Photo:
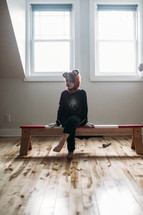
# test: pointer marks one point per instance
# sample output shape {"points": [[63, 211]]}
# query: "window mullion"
{"points": [[52, 40]]}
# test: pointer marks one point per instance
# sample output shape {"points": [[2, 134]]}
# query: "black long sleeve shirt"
{"points": [[72, 104]]}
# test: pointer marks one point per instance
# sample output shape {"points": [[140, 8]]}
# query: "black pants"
{"points": [[70, 125]]}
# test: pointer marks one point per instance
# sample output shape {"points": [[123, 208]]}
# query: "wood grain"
{"points": [[98, 181]]}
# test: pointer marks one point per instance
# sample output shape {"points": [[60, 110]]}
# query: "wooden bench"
{"points": [[105, 130]]}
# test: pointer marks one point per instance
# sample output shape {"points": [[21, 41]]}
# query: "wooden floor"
{"points": [[99, 181]]}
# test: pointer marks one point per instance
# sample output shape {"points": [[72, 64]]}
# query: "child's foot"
{"points": [[70, 156], [58, 148]]}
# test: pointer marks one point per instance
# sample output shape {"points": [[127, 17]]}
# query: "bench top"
{"points": [[47, 126], [88, 126]]}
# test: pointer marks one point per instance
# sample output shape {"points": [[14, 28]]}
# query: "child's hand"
{"points": [[89, 125], [52, 125]]}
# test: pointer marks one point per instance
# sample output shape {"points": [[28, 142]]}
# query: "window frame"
{"points": [[94, 74], [75, 56]]}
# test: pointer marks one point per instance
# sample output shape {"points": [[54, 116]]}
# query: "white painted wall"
{"points": [[17, 14], [37, 102], [10, 62]]}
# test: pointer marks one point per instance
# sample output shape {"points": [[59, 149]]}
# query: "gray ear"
{"points": [[65, 74], [75, 72]]}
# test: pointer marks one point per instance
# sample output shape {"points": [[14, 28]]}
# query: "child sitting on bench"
{"points": [[72, 111]]}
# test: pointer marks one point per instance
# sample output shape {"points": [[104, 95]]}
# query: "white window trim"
{"points": [[93, 65], [76, 39]]}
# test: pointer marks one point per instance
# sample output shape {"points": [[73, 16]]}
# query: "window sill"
{"points": [[116, 78], [43, 78]]}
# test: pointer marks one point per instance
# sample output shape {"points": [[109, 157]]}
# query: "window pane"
{"points": [[52, 56], [117, 57], [116, 25], [52, 25]]}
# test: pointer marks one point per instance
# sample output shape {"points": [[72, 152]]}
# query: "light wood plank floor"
{"points": [[99, 181]]}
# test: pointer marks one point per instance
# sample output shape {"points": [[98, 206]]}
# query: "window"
{"points": [[116, 41], [51, 39]]}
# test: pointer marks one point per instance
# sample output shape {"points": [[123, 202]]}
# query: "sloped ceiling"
{"points": [[10, 59]]}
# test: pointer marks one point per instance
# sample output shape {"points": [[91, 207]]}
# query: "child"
{"points": [[72, 111]]}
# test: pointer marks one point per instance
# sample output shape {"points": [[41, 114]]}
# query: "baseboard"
{"points": [[10, 132]]}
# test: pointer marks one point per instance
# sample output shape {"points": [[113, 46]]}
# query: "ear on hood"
{"points": [[75, 72]]}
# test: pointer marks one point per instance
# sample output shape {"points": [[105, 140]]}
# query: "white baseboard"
{"points": [[10, 132]]}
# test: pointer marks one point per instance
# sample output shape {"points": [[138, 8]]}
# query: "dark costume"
{"points": [[72, 112]]}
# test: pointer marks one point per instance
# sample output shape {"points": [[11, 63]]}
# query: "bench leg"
{"points": [[25, 142], [30, 144], [137, 140], [133, 143]]}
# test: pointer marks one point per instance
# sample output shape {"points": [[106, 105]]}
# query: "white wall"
{"points": [[37, 102], [10, 62], [17, 13]]}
